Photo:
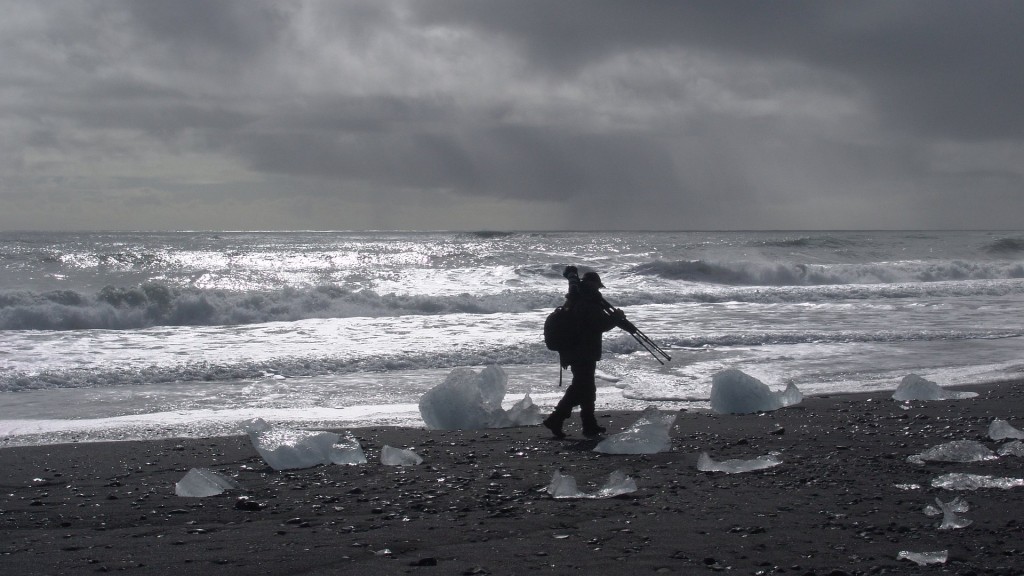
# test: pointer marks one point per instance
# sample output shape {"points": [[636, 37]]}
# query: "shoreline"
{"points": [[147, 428], [478, 505]]}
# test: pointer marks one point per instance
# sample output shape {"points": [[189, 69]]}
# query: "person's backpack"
{"points": [[561, 330]]}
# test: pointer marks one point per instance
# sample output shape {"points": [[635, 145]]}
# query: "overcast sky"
{"points": [[519, 114]]}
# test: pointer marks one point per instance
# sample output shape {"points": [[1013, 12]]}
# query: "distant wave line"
{"points": [[159, 305], [799, 274], [153, 305]]}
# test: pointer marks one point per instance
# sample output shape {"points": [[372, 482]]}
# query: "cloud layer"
{"points": [[468, 114]]}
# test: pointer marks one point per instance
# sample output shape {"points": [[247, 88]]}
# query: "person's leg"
{"points": [[563, 410], [583, 377]]}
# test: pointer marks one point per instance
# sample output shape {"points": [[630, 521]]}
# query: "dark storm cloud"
{"points": [[342, 114], [115, 69], [231, 30], [942, 67], [158, 112], [716, 114], [515, 161]]}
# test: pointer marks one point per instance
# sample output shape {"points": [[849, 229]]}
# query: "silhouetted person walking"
{"points": [[592, 320]]}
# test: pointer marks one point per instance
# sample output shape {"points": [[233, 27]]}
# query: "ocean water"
{"points": [[145, 335]]}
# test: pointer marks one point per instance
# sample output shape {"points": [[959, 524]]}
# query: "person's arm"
{"points": [[605, 321], [618, 318]]}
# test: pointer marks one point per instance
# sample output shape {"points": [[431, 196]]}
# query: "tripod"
{"points": [[637, 334]]}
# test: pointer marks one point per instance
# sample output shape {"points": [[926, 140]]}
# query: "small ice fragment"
{"points": [[924, 558], [734, 392], [255, 425], [1015, 448], [964, 481], [563, 486], [618, 484], [1001, 430], [955, 451], [347, 450], [203, 482], [287, 449], [649, 434], [606, 376], [914, 387], [522, 413], [949, 510], [735, 466], [907, 486], [391, 456]]}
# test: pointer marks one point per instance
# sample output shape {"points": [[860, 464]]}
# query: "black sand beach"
{"points": [[478, 505]]}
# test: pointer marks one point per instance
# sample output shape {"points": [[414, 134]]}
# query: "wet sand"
{"points": [[838, 504]]}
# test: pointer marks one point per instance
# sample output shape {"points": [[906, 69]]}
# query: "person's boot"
{"points": [[554, 424], [590, 426]]}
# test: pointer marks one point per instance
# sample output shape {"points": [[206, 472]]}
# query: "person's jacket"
{"points": [[593, 321]]}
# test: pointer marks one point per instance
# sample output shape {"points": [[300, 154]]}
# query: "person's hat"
{"points": [[593, 278]]}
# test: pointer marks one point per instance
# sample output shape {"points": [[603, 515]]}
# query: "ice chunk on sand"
{"points": [[287, 449], [734, 392], [468, 400], [618, 484], [648, 435], [914, 387], [949, 511], [1015, 448], [958, 504], [522, 413], [347, 450], [964, 481], [465, 400], [203, 482], [924, 558], [706, 464], [255, 425], [391, 456], [1001, 430], [564, 486], [955, 451]]}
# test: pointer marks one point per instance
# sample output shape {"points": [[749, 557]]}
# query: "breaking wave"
{"points": [[1005, 246], [826, 241], [152, 305], [778, 274], [159, 305], [491, 234]]}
